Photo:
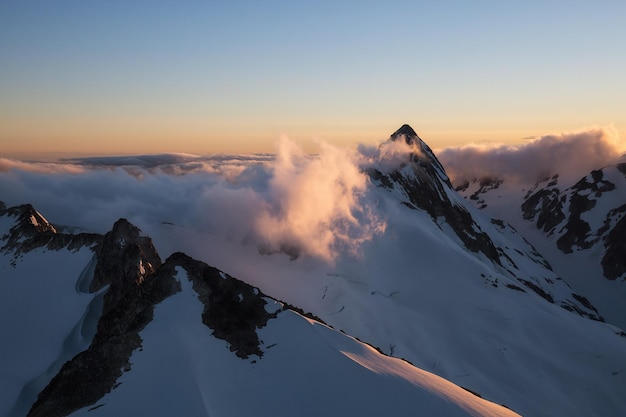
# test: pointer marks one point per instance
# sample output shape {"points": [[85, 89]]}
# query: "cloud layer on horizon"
{"points": [[289, 202], [567, 154], [312, 205]]}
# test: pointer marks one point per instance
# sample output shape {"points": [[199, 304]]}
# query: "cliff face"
{"points": [[31, 230], [136, 280], [590, 212]]}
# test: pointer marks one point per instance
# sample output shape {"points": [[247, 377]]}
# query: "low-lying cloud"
{"points": [[299, 204], [7, 165], [566, 154], [316, 206]]}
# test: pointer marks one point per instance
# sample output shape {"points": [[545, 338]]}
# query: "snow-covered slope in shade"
{"points": [[577, 223], [306, 369], [444, 286], [45, 318], [119, 333], [450, 290]]}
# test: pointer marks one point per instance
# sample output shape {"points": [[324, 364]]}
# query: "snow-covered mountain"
{"points": [[130, 335], [453, 292], [579, 224]]}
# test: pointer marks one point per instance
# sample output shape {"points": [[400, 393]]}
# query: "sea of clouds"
{"points": [[290, 202], [319, 206]]}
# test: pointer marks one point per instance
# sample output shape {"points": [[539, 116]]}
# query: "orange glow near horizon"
{"points": [[96, 79], [54, 140]]}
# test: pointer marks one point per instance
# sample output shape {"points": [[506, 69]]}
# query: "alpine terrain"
{"points": [[578, 222], [440, 309]]}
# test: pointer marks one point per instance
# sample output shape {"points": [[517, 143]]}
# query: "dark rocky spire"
{"points": [[408, 133]]}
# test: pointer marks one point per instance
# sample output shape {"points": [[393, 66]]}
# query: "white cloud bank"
{"points": [[293, 203], [302, 205], [566, 154]]}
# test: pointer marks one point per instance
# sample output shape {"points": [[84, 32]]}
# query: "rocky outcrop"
{"points": [[124, 256], [614, 258], [584, 194], [425, 185], [32, 231], [233, 309], [137, 281], [544, 208], [125, 263], [562, 213]]}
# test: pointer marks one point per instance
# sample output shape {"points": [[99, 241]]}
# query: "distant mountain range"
{"points": [[462, 304]]}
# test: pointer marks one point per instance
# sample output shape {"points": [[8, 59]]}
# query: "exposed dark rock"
{"points": [[124, 255], [26, 215], [545, 208], [485, 184], [472, 392], [614, 258], [537, 289], [32, 231], [408, 133], [426, 156], [592, 314], [426, 186], [577, 232], [233, 309], [584, 308], [128, 308], [553, 181], [128, 263], [498, 223], [515, 287], [303, 313], [584, 301], [378, 176]]}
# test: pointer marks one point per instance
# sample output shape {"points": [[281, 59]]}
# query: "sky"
{"points": [[201, 77]]}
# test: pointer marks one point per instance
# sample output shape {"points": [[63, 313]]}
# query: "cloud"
{"points": [[7, 165], [316, 203], [389, 155], [290, 202], [566, 154], [175, 163]]}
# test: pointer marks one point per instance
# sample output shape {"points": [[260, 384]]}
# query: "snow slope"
{"points": [[418, 296], [181, 366], [307, 369], [576, 223], [419, 293], [45, 317], [442, 285]]}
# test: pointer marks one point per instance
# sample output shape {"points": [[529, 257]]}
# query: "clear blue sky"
{"points": [[208, 76]]}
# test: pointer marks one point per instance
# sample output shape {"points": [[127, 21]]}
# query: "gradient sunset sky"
{"points": [[115, 77]]}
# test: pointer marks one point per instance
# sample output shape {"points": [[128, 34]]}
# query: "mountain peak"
{"points": [[407, 131], [135, 255], [421, 154]]}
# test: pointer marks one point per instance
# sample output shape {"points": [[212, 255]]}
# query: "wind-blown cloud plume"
{"points": [[566, 154], [315, 203]]}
